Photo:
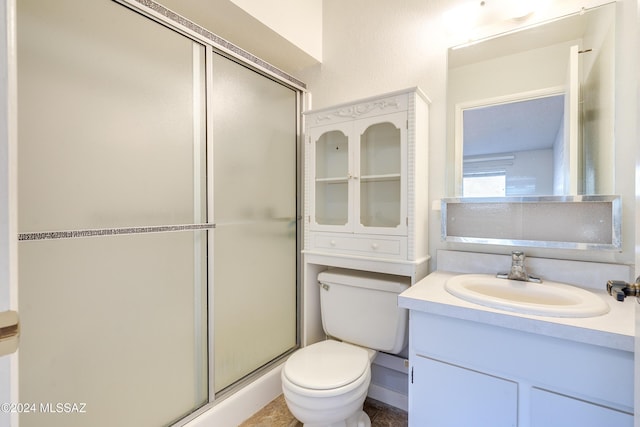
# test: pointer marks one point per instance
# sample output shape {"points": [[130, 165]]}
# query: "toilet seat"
{"points": [[327, 365]]}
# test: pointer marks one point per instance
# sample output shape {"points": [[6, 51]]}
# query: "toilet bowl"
{"points": [[325, 384]]}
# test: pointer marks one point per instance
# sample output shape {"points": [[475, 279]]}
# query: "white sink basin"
{"points": [[544, 299]]}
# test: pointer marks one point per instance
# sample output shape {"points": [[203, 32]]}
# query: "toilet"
{"points": [[325, 384]]}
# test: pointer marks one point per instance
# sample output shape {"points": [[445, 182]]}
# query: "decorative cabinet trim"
{"points": [[361, 110], [376, 105]]}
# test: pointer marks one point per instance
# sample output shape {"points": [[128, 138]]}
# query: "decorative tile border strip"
{"points": [[219, 41], [100, 232]]}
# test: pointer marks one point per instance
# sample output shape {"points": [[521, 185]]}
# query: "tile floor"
{"points": [[276, 414]]}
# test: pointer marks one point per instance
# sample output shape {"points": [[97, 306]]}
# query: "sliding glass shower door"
{"points": [[254, 251], [157, 198], [112, 201]]}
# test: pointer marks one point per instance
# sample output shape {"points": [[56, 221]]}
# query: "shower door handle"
{"points": [[9, 332]]}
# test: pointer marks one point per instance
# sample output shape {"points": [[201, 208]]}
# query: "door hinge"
{"points": [[9, 331]]}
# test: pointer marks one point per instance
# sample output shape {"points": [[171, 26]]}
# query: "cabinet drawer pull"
{"points": [[374, 246], [332, 243]]}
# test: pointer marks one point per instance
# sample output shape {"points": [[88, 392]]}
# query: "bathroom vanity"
{"points": [[475, 365]]}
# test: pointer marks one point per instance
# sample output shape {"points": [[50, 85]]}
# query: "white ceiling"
{"points": [[518, 126]]}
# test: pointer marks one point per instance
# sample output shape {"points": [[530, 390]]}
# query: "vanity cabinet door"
{"points": [[446, 395], [549, 409]]}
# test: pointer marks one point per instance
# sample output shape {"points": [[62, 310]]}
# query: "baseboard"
{"points": [[235, 409], [389, 378], [390, 397]]}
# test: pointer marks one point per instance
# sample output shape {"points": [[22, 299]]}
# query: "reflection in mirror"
{"points": [[521, 140], [531, 112]]}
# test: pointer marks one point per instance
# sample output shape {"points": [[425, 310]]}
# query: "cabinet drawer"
{"points": [[388, 247]]}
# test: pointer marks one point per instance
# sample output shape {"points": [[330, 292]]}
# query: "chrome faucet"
{"points": [[518, 269]]}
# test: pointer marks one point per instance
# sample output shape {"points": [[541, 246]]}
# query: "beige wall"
{"points": [[375, 47], [301, 24]]}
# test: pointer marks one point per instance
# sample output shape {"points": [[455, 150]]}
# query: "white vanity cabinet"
{"points": [[465, 373], [366, 178]]}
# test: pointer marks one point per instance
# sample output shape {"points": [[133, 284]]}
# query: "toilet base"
{"points": [[359, 419]]}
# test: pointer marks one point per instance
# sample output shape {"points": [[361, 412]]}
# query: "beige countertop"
{"points": [[615, 329]]}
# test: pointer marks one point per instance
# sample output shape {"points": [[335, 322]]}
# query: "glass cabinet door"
{"points": [[382, 155], [332, 176]]}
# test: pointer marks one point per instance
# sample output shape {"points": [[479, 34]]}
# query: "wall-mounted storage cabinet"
{"points": [[366, 178]]}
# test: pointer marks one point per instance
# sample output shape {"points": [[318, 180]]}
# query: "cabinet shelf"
{"points": [[365, 178], [377, 178], [333, 180]]}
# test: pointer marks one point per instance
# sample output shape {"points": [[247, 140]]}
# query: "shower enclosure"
{"points": [[157, 206]]}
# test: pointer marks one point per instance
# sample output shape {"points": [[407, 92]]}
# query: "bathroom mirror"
{"points": [[531, 112]]}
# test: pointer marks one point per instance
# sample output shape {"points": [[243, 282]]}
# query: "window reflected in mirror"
{"points": [[515, 148], [484, 184]]}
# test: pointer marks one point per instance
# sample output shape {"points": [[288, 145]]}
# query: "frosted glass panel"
{"points": [[111, 134], [254, 297], [525, 221], [111, 322], [254, 138], [110, 129]]}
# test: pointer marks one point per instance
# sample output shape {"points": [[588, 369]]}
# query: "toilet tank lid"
{"points": [[365, 279]]}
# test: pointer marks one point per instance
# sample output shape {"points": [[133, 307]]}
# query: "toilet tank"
{"points": [[361, 308]]}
